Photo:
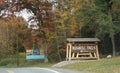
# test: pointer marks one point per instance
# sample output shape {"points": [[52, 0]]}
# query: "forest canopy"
{"points": [[58, 20]]}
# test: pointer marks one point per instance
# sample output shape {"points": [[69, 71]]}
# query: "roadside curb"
{"points": [[64, 63]]}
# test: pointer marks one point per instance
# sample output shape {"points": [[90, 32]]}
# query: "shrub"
{"points": [[22, 54], [7, 61]]}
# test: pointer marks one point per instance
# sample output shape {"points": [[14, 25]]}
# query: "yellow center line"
{"points": [[9, 71]]}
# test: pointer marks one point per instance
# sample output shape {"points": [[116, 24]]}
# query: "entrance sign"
{"points": [[82, 48], [34, 54]]}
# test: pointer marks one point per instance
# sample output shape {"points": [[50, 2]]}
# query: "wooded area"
{"points": [[58, 20]]}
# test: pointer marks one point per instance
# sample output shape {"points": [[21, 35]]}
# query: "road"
{"points": [[36, 70]]}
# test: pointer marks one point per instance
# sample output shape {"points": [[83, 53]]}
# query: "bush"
{"points": [[7, 61], [22, 54]]}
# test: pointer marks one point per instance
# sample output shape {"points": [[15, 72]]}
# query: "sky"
{"points": [[26, 15]]}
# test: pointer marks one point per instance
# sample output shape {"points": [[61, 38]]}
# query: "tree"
{"points": [[42, 11], [103, 17], [66, 24], [11, 29]]}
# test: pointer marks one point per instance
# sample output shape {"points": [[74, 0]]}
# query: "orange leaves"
{"points": [[33, 1], [28, 43], [14, 26], [41, 15], [19, 31], [29, 1], [2, 2], [46, 8]]}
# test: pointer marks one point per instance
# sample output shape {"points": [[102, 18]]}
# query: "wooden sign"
{"points": [[86, 48], [82, 48]]}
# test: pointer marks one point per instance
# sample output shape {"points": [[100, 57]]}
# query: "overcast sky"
{"points": [[26, 15]]}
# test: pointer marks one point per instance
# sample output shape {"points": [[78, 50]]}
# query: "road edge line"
{"points": [[54, 71], [9, 71]]}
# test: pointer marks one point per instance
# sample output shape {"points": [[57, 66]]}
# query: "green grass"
{"points": [[29, 64], [11, 63], [101, 66]]}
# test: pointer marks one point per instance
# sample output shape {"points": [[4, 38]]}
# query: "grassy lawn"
{"points": [[11, 63], [101, 66], [29, 64]]}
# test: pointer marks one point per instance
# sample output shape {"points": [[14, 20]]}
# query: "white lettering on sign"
{"points": [[83, 47]]}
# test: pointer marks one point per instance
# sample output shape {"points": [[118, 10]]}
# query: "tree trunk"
{"points": [[17, 51], [59, 52], [45, 51], [113, 44], [111, 27]]}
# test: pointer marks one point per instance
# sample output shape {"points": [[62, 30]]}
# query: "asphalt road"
{"points": [[36, 70]]}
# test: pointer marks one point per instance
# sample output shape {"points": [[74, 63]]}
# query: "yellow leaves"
{"points": [[81, 24], [61, 16], [67, 18], [64, 15], [87, 1], [115, 6], [61, 27], [73, 25], [50, 36], [77, 4]]}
